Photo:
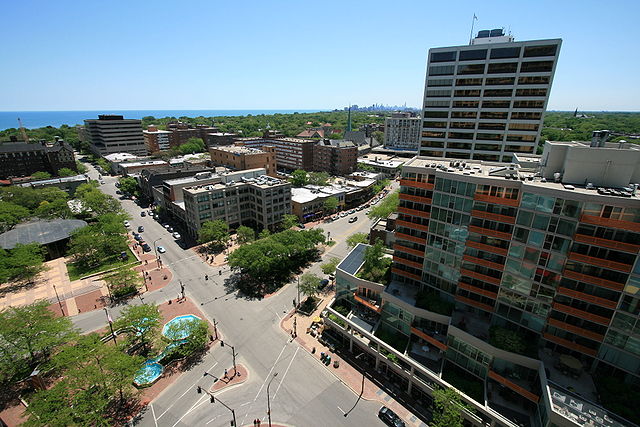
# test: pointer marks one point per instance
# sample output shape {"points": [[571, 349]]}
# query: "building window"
{"points": [[439, 82], [507, 67], [468, 82], [544, 50], [471, 55], [505, 52], [536, 66], [441, 70], [443, 56], [471, 69]]}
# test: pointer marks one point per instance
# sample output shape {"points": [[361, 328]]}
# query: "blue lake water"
{"points": [[37, 119]]}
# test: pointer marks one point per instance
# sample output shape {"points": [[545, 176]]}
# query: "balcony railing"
{"points": [[480, 276], [600, 262], [581, 314], [405, 249], [428, 338], [418, 199], [493, 216], [474, 303], [407, 262], [576, 330], [588, 298], [416, 184], [496, 200], [613, 223], [471, 288], [513, 386], [569, 344], [413, 225], [489, 232], [414, 212], [487, 248], [367, 303], [594, 280], [483, 262], [411, 238], [405, 273], [606, 243]]}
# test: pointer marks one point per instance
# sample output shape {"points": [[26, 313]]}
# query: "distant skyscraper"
{"points": [[487, 100]]}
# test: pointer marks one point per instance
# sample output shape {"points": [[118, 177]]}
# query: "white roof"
{"points": [[119, 157]]}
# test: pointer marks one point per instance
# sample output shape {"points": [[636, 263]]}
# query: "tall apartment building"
{"points": [[291, 153], [335, 157], [487, 100], [114, 134], [242, 158], [242, 198], [156, 139], [402, 132], [521, 279]]}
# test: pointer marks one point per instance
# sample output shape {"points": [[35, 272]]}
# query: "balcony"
{"points": [[476, 290], [417, 199], [406, 274], [581, 314], [493, 216], [588, 298], [402, 236], [489, 232], [613, 223], [416, 184], [433, 338], [414, 212], [605, 263], [496, 200], [369, 303], [576, 330], [480, 276], [513, 386], [569, 344], [594, 280], [413, 264], [400, 248], [475, 324], [483, 262], [487, 248], [412, 225], [605, 243]]}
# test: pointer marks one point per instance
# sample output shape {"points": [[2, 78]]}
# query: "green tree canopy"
{"points": [[264, 234], [330, 266], [318, 178], [245, 234], [11, 214], [331, 204], [63, 172], [385, 208], [41, 175], [82, 169], [30, 198], [123, 281], [376, 265], [99, 242], [379, 186], [129, 185], [356, 238], [299, 178], [447, 408], [215, 232], [21, 264], [289, 221], [51, 210], [192, 146], [141, 323], [198, 336], [309, 283], [365, 167], [95, 200]]}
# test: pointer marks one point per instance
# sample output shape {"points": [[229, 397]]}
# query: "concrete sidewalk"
{"points": [[346, 373]]}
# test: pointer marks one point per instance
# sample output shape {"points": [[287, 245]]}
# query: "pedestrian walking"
{"points": [[226, 374]]}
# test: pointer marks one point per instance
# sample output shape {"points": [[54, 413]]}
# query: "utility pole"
{"points": [[298, 294], [268, 401], [295, 333], [215, 328], [58, 298], [233, 353], [110, 324], [361, 389], [213, 400]]}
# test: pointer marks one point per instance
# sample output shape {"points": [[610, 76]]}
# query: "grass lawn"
{"points": [[115, 261]]}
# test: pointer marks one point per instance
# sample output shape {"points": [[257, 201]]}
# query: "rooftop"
{"points": [[381, 160], [262, 181], [238, 149], [39, 231], [120, 157], [144, 163], [157, 131], [55, 180]]}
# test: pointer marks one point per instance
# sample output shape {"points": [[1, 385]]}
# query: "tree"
{"points": [[140, 322], [11, 214], [196, 340], [380, 185], [216, 232], [388, 206], [289, 221], [379, 136], [82, 169], [95, 200], [40, 175], [128, 185], [245, 234], [51, 210], [264, 234], [447, 408], [318, 178], [331, 204], [123, 281], [192, 146], [309, 283], [104, 164], [28, 334], [21, 264], [376, 265], [330, 266], [356, 238], [63, 172], [299, 178], [97, 243], [365, 167]]}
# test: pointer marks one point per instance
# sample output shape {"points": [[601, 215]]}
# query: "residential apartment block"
{"points": [[156, 139], [517, 284], [22, 159], [486, 101], [335, 157], [291, 153], [181, 132], [402, 132], [241, 157], [114, 134]]}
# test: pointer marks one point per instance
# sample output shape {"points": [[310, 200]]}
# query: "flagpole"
{"points": [[473, 21], [110, 324]]}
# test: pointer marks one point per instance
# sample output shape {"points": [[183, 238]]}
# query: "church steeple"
{"points": [[349, 120]]}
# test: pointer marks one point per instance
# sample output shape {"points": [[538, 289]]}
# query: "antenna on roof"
{"points": [[473, 22]]}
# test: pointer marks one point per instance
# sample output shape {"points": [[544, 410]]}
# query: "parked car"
{"points": [[323, 283], [390, 418], [127, 224], [140, 229], [118, 192], [143, 213], [176, 235], [353, 219], [166, 226], [170, 229], [161, 249], [301, 226], [138, 238], [146, 247]]}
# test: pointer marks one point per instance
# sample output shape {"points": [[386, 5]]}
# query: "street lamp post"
{"points": [[298, 293], [233, 353], [156, 251], [361, 389], [182, 289], [268, 398], [213, 400], [58, 298], [110, 324]]}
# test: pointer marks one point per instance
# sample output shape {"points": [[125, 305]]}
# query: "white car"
{"points": [[126, 224], [176, 235], [161, 249]]}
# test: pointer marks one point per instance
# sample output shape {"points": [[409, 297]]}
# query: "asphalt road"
{"points": [[304, 393]]}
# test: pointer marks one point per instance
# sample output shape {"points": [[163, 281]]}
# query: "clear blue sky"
{"points": [[82, 55]]}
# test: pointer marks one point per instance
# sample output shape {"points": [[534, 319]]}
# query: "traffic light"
{"points": [[199, 389]]}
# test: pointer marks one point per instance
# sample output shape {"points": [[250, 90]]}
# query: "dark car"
{"points": [[353, 219], [146, 247], [137, 237], [390, 418], [143, 213], [323, 283], [140, 229]]}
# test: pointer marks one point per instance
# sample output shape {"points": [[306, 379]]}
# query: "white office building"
{"points": [[487, 100]]}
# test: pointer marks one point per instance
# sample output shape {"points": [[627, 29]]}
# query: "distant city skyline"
{"points": [[137, 56]]}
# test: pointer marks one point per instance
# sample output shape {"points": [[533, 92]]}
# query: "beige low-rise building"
{"points": [[243, 158]]}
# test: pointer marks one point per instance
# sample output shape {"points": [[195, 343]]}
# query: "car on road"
{"points": [[390, 418], [143, 213], [353, 219], [352, 211], [140, 229], [146, 247], [176, 235], [118, 192], [138, 237], [301, 226], [170, 229], [127, 224], [102, 182], [161, 249], [323, 284], [343, 214], [166, 226]]}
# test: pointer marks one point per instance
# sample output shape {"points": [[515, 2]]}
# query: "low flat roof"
{"points": [[39, 231]]}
